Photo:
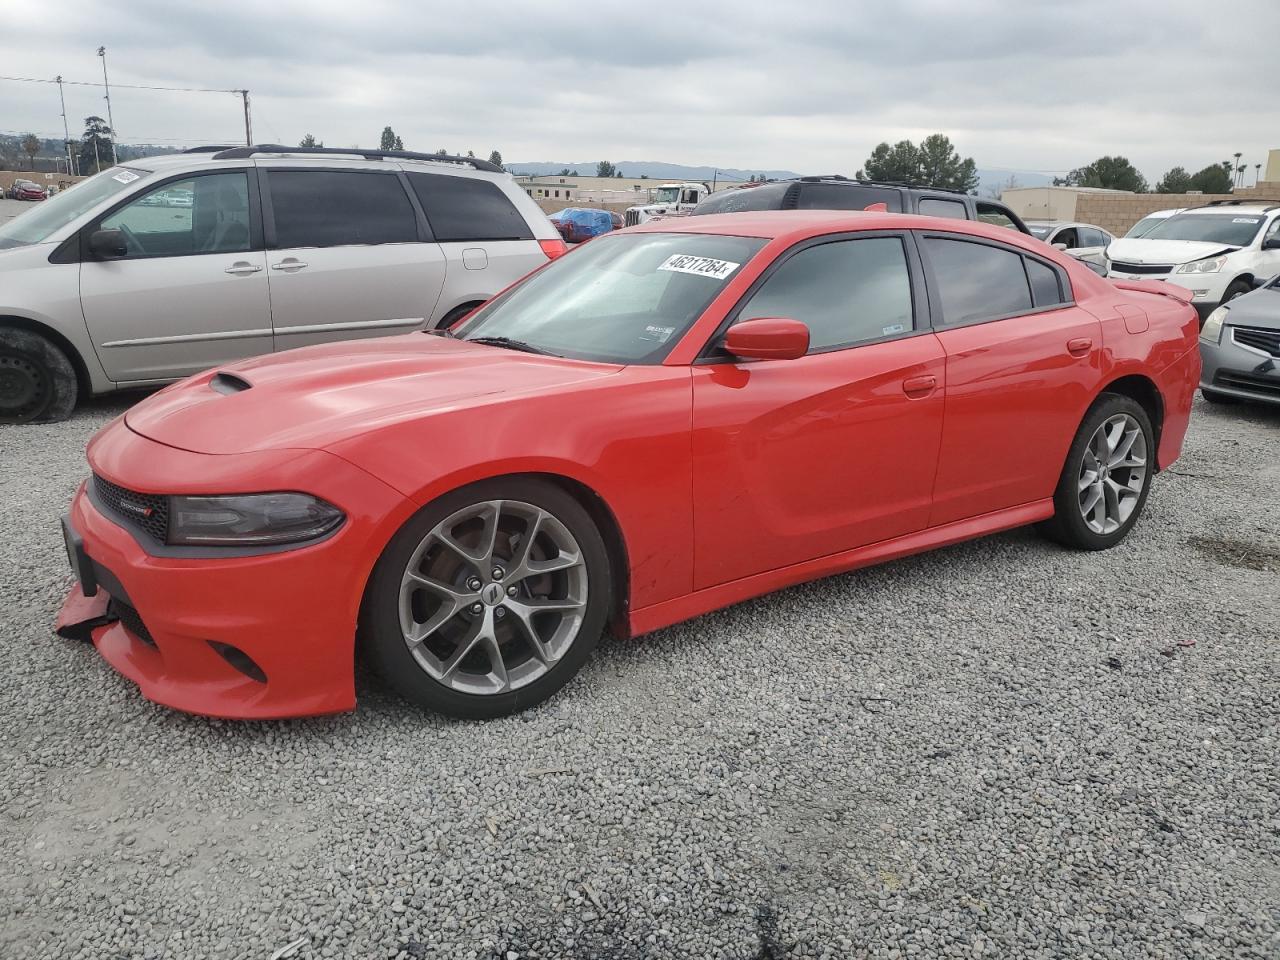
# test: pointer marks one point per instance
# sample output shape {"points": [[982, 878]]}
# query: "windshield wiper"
{"points": [[511, 344]]}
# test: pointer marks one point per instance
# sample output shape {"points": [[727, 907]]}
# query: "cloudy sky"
{"points": [[1039, 85]]}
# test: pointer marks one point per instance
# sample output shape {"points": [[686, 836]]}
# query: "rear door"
{"points": [[191, 292], [1091, 243], [486, 242], [1022, 364], [348, 255]]}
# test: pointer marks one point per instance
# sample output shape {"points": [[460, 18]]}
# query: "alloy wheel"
{"points": [[1113, 473], [493, 597]]}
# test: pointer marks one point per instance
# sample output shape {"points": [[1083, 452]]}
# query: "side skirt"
{"points": [[658, 615]]}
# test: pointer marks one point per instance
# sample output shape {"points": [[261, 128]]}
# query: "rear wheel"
{"points": [[37, 381], [1107, 476], [488, 600], [456, 314]]}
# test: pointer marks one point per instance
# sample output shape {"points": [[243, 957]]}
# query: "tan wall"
{"points": [[554, 206], [1116, 211], [61, 180], [1271, 173]]}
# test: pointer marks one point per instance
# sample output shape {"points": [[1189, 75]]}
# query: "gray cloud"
{"points": [[809, 86]]}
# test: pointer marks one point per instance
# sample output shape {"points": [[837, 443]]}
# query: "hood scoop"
{"points": [[228, 383]]}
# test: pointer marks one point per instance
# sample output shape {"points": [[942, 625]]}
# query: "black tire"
{"points": [[1237, 288], [37, 381], [456, 314], [1068, 526], [382, 641], [1213, 396]]}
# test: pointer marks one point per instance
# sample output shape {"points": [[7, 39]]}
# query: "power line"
{"points": [[130, 86]]}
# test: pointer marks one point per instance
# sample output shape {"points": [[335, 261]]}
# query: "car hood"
{"points": [[1261, 308], [317, 396], [1142, 250]]}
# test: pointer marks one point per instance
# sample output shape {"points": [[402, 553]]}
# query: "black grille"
{"points": [[633, 218], [146, 511], [1151, 268], [1267, 341], [1268, 386], [131, 620]]}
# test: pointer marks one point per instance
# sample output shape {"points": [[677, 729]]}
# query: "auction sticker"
{"points": [[699, 266], [125, 176], [1245, 220]]}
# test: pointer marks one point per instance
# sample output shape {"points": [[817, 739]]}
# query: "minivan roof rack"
{"points": [[210, 148], [243, 153], [839, 178], [1240, 201]]}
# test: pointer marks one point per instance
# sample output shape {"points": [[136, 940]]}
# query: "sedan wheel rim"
{"points": [[1113, 474], [493, 597]]}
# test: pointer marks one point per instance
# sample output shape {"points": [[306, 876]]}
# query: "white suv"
{"points": [[1215, 251], [164, 267]]}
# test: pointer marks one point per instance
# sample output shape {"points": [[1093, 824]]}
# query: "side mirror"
{"points": [[108, 244], [1271, 243], [1059, 246], [773, 338]]}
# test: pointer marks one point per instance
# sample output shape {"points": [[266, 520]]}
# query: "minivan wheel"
{"points": [[456, 314], [489, 599], [37, 381], [1107, 476]]}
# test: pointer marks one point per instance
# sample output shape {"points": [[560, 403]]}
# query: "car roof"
{"points": [[1248, 206], [206, 159]]}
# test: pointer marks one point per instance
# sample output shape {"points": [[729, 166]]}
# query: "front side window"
{"points": [[1068, 238], [1229, 229], [977, 281], [625, 298], [469, 209], [205, 214], [340, 208], [40, 222], [845, 292], [943, 208]]}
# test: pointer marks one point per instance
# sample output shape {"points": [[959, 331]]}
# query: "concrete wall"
{"points": [[1116, 211]]}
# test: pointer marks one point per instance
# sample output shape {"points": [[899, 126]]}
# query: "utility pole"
{"points": [[248, 124], [102, 52], [66, 133]]}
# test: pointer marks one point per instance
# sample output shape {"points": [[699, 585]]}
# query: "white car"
{"points": [[1083, 241], [1215, 251], [163, 267]]}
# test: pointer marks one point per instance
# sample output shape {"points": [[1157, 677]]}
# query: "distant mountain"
{"points": [[649, 168], [992, 180]]}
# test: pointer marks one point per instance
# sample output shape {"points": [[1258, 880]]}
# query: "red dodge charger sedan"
{"points": [[666, 421]]}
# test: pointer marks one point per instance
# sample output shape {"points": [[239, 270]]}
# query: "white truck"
{"points": [[670, 199]]}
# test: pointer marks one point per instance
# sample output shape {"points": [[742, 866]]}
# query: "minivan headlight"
{"points": [[250, 520], [1212, 265], [1212, 332]]}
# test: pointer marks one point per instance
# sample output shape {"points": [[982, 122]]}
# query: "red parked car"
{"points": [[666, 421], [26, 190]]}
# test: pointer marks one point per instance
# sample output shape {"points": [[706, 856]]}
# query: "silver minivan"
{"points": [[163, 267]]}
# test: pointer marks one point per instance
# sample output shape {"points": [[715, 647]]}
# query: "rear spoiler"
{"points": [[1156, 286]]}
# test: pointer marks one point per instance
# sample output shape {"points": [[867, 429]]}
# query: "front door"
{"points": [[347, 256], [191, 291], [798, 459]]}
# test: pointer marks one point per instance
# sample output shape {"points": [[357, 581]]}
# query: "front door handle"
{"points": [[241, 267], [917, 387], [289, 263], [1080, 346]]}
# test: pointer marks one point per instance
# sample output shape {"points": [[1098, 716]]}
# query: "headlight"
{"points": [[250, 520], [1212, 332], [1203, 266]]}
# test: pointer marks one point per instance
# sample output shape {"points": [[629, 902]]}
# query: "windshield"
{"points": [[1145, 226], [627, 298], [1040, 230], [667, 195], [1232, 229], [55, 213]]}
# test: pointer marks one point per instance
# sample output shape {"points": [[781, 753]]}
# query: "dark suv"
{"points": [[841, 193]]}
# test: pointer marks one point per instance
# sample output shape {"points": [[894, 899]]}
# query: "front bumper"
{"points": [[1239, 371], [260, 636]]}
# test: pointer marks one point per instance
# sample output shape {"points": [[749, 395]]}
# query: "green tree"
{"points": [[31, 146], [442, 152], [566, 172], [1111, 173], [95, 145], [310, 141], [1176, 180], [605, 169], [899, 163], [389, 140], [496, 159], [935, 163], [1212, 179]]}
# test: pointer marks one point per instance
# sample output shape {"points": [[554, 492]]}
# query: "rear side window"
{"points": [[845, 292], [463, 208], [930, 207], [977, 281], [847, 196], [338, 208], [1045, 289]]}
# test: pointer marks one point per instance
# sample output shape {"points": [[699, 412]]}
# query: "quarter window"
{"points": [[845, 292], [468, 208], [340, 208], [1045, 288], [977, 281], [208, 214]]}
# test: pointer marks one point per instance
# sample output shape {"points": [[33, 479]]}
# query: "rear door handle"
{"points": [[289, 263], [1080, 346], [916, 387], [243, 267]]}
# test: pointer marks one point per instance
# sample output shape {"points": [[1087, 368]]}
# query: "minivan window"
{"points": [[467, 208], [846, 292], [977, 281], [954, 209], [339, 208], [37, 224], [204, 214]]}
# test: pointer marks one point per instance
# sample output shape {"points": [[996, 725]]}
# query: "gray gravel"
{"points": [[1001, 749]]}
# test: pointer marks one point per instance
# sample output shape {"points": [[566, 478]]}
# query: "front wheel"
{"points": [[1107, 476], [37, 381], [489, 599]]}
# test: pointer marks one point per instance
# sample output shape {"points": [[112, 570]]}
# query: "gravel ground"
{"points": [[1000, 749], [11, 208]]}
